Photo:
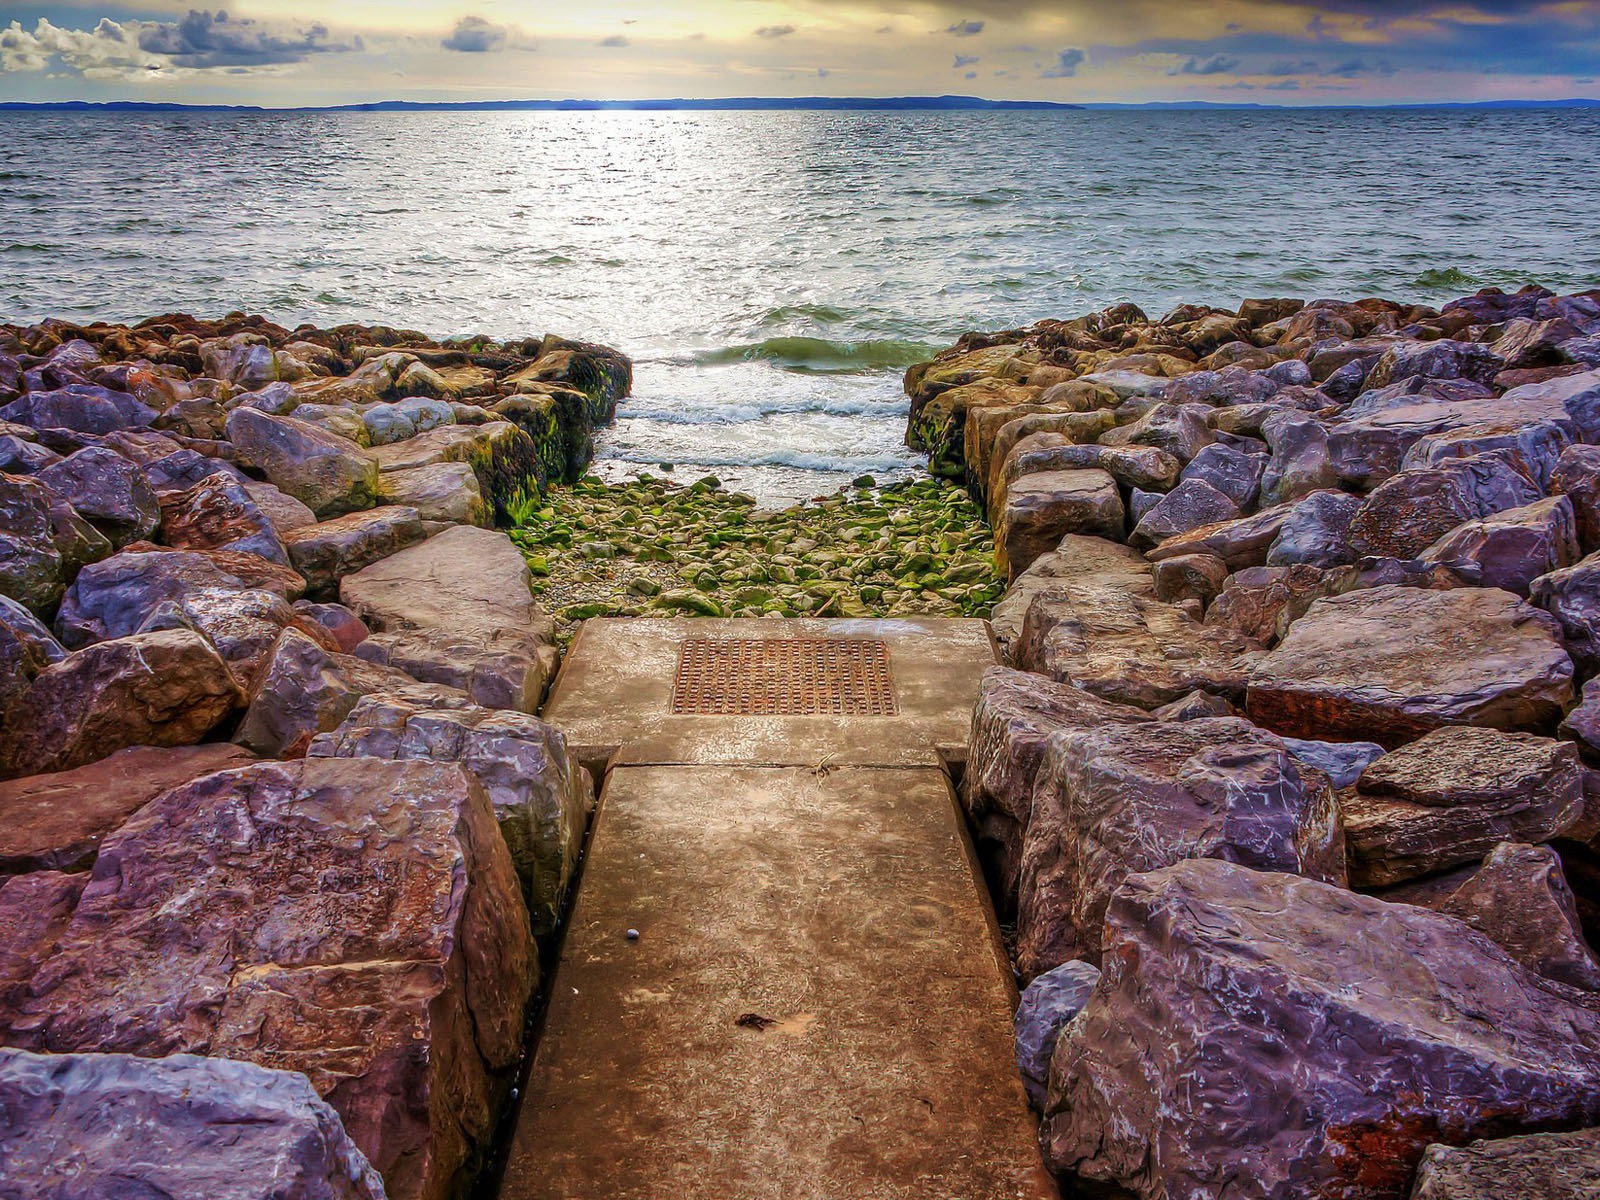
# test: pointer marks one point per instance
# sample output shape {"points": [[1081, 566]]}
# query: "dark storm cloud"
{"points": [[1066, 64], [474, 35], [1217, 64], [214, 39], [965, 29], [774, 31]]}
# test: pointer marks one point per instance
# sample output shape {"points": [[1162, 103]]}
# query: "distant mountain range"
{"points": [[755, 104]]}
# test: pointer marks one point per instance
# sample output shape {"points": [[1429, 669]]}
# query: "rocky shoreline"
{"points": [[271, 786], [1290, 784]]}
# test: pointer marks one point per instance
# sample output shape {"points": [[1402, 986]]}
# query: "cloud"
{"points": [[964, 60], [474, 35], [615, 42], [774, 31], [965, 29], [1217, 64], [204, 39], [1066, 65]]}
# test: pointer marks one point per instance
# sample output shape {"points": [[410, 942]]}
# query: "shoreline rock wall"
{"points": [[226, 531], [1298, 740]]}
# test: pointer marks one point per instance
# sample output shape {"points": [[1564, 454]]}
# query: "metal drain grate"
{"points": [[784, 677]]}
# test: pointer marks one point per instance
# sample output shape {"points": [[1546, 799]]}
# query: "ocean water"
{"points": [[772, 274]]}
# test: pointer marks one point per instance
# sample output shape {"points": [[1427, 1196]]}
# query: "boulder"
{"points": [[329, 474], [1513, 547], [1240, 543], [1047, 1006], [1190, 577], [1390, 664], [26, 648], [1520, 900], [284, 512], [1409, 512], [109, 490], [347, 628], [1536, 1166], [1316, 532], [1260, 603], [43, 543], [1234, 473], [541, 797], [152, 689], [1261, 1036], [1572, 596], [220, 513], [1576, 476], [181, 1128], [1129, 647], [1016, 714], [1042, 508], [505, 669], [56, 822], [325, 553], [1441, 359], [1533, 447], [1341, 762], [447, 492], [503, 457], [1112, 801], [113, 598], [357, 921], [242, 626], [1074, 560], [304, 689], [1301, 462], [1452, 797], [1190, 505], [80, 408]]}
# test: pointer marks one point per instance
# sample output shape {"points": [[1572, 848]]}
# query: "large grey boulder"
{"points": [[1115, 800], [116, 1127], [109, 490], [329, 474], [541, 797], [1047, 1005], [1262, 1036], [1388, 664]]}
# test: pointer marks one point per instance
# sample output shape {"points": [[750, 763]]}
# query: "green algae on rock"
{"points": [[653, 548]]}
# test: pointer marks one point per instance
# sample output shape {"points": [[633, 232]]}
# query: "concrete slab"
{"points": [[616, 690], [818, 1006]]}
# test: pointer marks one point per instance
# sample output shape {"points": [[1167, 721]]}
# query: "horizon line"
{"points": [[735, 103]]}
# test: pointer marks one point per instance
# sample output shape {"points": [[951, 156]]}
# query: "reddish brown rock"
{"points": [[1264, 1036], [327, 552], [1016, 715], [1520, 900], [1514, 547], [152, 689], [181, 1128], [1455, 795], [1260, 603], [1577, 477], [113, 598], [1112, 801], [1572, 596], [1409, 512], [1190, 577], [242, 626], [1075, 562], [1042, 508], [218, 513], [357, 921], [56, 822], [1392, 663]]}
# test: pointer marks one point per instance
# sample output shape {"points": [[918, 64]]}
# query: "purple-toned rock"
{"points": [[1513, 547], [285, 512], [109, 490], [1409, 512], [1300, 462], [81, 408], [219, 513], [1572, 596], [1234, 473], [1576, 396], [1042, 508], [242, 626], [1533, 447], [1436, 360], [38, 542], [1197, 705], [1190, 577], [1455, 795], [1390, 664], [1241, 543], [348, 629], [1191, 504], [1520, 900], [1016, 714], [1263, 1036], [1179, 429], [182, 1128], [357, 921], [327, 552], [56, 822], [329, 474], [1112, 801], [1260, 603], [1316, 532], [1577, 476], [541, 797], [1341, 762], [153, 689], [1536, 1166], [26, 648], [1047, 1006], [113, 598]]}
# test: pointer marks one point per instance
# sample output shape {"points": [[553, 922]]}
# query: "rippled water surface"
{"points": [[772, 273]]}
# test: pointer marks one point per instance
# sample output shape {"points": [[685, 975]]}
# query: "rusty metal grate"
{"points": [[784, 677]]}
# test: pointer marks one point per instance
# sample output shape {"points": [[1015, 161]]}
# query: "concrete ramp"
{"points": [[817, 1005]]}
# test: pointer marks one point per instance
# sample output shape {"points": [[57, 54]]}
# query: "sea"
{"points": [[772, 274]]}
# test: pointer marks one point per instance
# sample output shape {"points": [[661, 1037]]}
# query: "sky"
{"points": [[286, 53]]}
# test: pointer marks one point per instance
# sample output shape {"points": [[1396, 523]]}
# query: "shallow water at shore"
{"points": [[773, 273]]}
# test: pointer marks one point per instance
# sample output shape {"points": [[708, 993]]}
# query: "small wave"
{"points": [[799, 460], [818, 356], [824, 314], [734, 414], [1448, 277]]}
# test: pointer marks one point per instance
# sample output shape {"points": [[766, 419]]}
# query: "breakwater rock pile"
{"points": [[271, 789], [1291, 784]]}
